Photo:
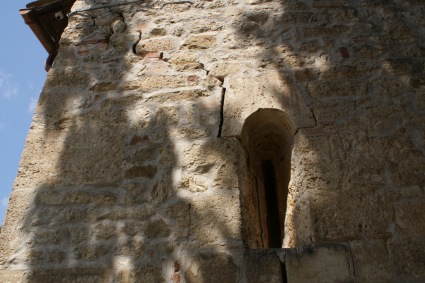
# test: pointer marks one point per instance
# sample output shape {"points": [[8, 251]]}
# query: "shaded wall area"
{"points": [[350, 74], [134, 167]]}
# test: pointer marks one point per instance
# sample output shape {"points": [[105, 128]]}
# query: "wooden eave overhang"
{"points": [[48, 19]]}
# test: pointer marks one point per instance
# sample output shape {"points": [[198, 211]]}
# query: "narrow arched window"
{"points": [[272, 205], [267, 138]]}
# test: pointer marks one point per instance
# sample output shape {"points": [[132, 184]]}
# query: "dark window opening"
{"points": [[267, 139], [272, 210]]}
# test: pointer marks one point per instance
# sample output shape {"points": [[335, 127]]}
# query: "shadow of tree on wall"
{"points": [[109, 201], [114, 203]]}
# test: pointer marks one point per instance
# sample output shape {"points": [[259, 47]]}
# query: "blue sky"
{"points": [[22, 77]]}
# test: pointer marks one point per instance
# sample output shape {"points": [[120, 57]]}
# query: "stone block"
{"points": [[67, 57], [213, 226], [371, 261], [319, 265], [158, 32], [309, 46], [90, 47], [400, 66], [223, 69], [249, 91], [133, 247], [157, 229], [343, 88], [200, 42], [105, 231], [336, 112], [120, 213], [74, 275], [255, 2], [12, 233], [156, 44], [148, 274], [193, 184], [262, 266], [93, 252], [407, 217], [107, 86], [157, 82], [14, 276], [327, 3], [148, 171], [118, 26], [409, 259], [416, 82], [336, 30], [291, 61], [211, 267], [336, 216], [180, 213], [51, 196], [307, 74], [68, 78], [188, 66], [348, 72], [184, 56], [299, 17]]}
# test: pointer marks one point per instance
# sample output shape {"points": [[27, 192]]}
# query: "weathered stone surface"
{"points": [[263, 266], [306, 74], [251, 91], [77, 275], [157, 229], [104, 87], [213, 226], [407, 214], [200, 42], [156, 82], [141, 171], [118, 26], [409, 264], [223, 69], [371, 261], [13, 276], [156, 44], [149, 274], [211, 267], [135, 169], [12, 234], [323, 264]]}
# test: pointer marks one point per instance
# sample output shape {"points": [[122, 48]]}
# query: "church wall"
{"points": [[135, 168]]}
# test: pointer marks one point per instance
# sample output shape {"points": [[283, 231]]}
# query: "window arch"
{"points": [[267, 139]]}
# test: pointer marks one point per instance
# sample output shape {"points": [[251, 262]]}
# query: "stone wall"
{"points": [[135, 167]]}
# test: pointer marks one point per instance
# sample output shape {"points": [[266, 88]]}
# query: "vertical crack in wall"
{"points": [[284, 275], [134, 49], [351, 262], [220, 126], [281, 254], [314, 116]]}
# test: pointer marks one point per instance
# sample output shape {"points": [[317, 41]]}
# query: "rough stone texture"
{"points": [[211, 268], [263, 266], [135, 169], [319, 265], [12, 276], [371, 261]]}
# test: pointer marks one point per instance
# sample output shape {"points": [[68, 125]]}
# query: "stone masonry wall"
{"points": [[133, 168]]}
